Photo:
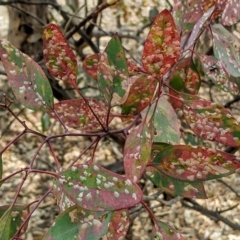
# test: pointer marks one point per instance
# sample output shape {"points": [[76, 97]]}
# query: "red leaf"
{"points": [[162, 46], [189, 163], [58, 55], [75, 113]]}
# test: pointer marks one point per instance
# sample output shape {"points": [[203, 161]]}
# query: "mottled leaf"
{"points": [[141, 93], [58, 55], [195, 164], [113, 73], [162, 46], [78, 223], [118, 225], [163, 231], [11, 219], [90, 65], [230, 14], [215, 71], [210, 120], [185, 77], [174, 186], [97, 189], [137, 150], [227, 49], [26, 78], [76, 113], [167, 128]]}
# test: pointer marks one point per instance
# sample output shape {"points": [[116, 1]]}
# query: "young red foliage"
{"points": [[162, 46]]}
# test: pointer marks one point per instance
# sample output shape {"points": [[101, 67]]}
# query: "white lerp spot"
{"points": [[95, 167], [116, 194], [134, 196]]}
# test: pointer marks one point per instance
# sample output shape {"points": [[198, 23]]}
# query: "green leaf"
{"points": [[10, 220], [113, 73], [5, 225], [26, 78]]}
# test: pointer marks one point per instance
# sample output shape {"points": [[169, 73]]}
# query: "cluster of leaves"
{"points": [[154, 96]]}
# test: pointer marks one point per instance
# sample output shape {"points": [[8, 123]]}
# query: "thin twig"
{"points": [[30, 14], [228, 186], [215, 215]]}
